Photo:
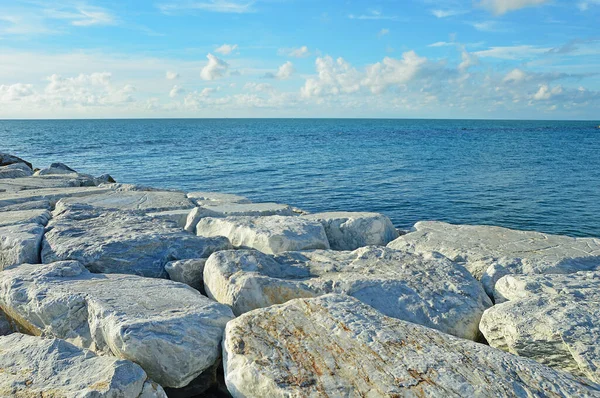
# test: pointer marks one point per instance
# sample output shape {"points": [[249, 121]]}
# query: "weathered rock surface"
{"points": [[337, 346], [39, 216], [187, 271], [179, 217], [216, 198], [489, 252], [36, 367], [236, 210], [6, 159], [20, 244], [56, 168], [52, 195], [168, 328], [556, 331], [351, 230], [32, 205], [15, 170], [429, 290], [120, 242], [147, 201], [580, 286], [272, 234], [5, 326]]}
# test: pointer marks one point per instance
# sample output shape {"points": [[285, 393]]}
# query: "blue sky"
{"points": [[528, 59]]}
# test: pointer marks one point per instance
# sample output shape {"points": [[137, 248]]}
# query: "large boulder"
{"points": [[6, 159], [121, 242], [351, 230], [490, 252], [216, 198], [20, 244], [236, 210], [16, 170], [558, 331], [336, 346], [580, 285], [168, 328], [146, 201], [35, 216], [272, 234], [429, 290], [40, 367]]}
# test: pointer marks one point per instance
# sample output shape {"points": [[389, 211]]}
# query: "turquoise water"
{"points": [[539, 175]]}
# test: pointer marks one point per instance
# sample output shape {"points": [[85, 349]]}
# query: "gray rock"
{"points": [[104, 179], [6, 327], [489, 252], [580, 285], [336, 346], [38, 367], [187, 271], [52, 195], [15, 170], [216, 198], [6, 159], [557, 331], [39, 216], [121, 242], [20, 244], [15, 185], [429, 290], [236, 210], [179, 217], [147, 201], [351, 230], [32, 205], [272, 234], [56, 168], [168, 328]]}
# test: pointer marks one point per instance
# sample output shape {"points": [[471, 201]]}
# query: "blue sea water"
{"points": [[534, 175]]}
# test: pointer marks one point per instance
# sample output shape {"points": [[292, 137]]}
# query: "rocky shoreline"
{"points": [[118, 290]]}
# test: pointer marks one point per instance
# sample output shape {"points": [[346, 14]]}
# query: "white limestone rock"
{"points": [[236, 210], [187, 271], [336, 346], [15, 170], [20, 244], [32, 205], [429, 290], [271, 235], [179, 217], [37, 367], [146, 201], [216, 198], [51, 195], [121, 242], [351, 230], [37, 216], [580, 286], [557, 331], [169, 329], [490, 252]]}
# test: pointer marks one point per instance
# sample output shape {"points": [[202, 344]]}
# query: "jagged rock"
{"points": [[188, 272], [119, 187], [429, 290], [559, 331], [20, 244], [15, 170], [216, 198], [179, 217], [351, 230], [6, 159], [168, 328], [120, 242], [40, 367], [336, 346], [489, 252], [56, 168], [580, 285], [271, 234], [38, 216], [104, 179], [52, 195], [236, 210], [147, 201]]}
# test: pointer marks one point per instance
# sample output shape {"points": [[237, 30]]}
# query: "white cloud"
{"points": [[447, 13], [82, 15], [334, 77], [374, 15], [176, 91], [299, 52], [486, 26], [500, 7], [441, 44], [285, 71], [224, 6], [392, 71], [15, 92], [585, 5], [226, 49], [468, 60], [545, 92], [383, 32], [512, 52], [214, 69], [514, 76], [260, 87], [170, 75]]}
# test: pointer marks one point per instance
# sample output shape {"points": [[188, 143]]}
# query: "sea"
{"points": [[530, 175]]}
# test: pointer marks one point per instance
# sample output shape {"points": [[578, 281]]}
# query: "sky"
{"points": [[484, 59]]}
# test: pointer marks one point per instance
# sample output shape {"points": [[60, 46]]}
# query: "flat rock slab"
{"points": [[20, 244], [121, 242], [236, 210], [146, 201], [187, 271], [31, 205], [556, 331], [271, 235], [37, 216], [492, 252], [216, 198], [168, 328], [580, 286], [179, 217], [37, 367], [428, 290], [43, 182], [351, 230], [53, 195], [336, 346]]}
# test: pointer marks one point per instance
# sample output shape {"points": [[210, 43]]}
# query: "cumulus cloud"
{"points": [[334, 77], [382, 75], [514, 76], [284, 72], [94, 89], [545, 92], [468, 60], [15, 92], [176, 91], [299, 52], [226, 49], [500, 7], [170, 75], [214, 69], [260, 87]]}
